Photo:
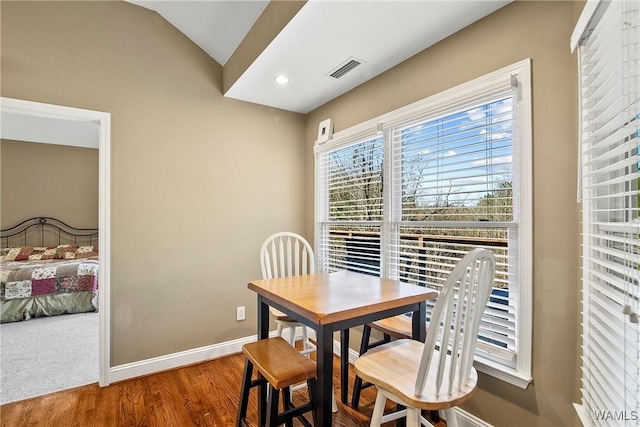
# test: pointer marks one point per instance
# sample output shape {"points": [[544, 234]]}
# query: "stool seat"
{"points": [[279, 366], [397, 326], [279, 363]]}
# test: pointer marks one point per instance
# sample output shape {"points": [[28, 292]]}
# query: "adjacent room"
{"points": [[405, 152]]}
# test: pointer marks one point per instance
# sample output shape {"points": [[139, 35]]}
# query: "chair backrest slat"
{"points": [[455, 322], [286, 254]]}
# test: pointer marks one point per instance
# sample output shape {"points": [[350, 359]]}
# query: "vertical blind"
{"points": [[408, 198], [610, 94]]}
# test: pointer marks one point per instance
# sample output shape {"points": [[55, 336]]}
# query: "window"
{"points": [[609, 64], [406, 195]]}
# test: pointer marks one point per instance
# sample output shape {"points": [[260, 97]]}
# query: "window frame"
{"points": [[517, 75]]}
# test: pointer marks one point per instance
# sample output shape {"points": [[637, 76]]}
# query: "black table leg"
{"points": [[263, 319], [418, 322], [324, 360], [344, 365]]}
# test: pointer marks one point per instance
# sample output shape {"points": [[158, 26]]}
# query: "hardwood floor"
{"points": [[205, 394]]}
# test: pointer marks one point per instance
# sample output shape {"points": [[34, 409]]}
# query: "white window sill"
{"points": [[502, 373]]}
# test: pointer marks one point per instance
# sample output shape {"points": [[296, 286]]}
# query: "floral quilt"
{"points": [[25, 279]]}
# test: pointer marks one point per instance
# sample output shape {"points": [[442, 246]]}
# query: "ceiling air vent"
{"points": [[344, 68]]}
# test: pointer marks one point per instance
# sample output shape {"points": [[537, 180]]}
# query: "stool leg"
{"points": [[272, 407], [286, 403], [311, 386], [262, 403], [244, 392], [357, 384]]}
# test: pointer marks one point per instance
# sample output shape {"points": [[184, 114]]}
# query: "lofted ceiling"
{"points": [[320, 37]]}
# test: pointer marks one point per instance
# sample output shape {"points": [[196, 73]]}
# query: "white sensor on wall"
{"points": [[325, 131]]}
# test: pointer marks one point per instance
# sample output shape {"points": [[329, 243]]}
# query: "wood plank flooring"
{"points": [[205, 394]]}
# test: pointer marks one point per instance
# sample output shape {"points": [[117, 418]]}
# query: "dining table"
{"points": [[337, 301]]}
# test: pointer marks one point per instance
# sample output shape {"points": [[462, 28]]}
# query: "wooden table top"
{"points": [[331, 297]]}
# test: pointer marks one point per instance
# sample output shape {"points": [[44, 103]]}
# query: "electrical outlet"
{"points": [[240, 313]]}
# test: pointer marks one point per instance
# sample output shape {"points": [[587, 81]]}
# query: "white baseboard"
{"points": [[465, 419], [203, 354], [177, 360]]}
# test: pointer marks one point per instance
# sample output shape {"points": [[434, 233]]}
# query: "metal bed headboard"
{"points": [[47, 231]]}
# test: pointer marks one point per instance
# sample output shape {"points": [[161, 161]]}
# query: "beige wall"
{"points": [[197, 181], [48, 180], [539, 30]]}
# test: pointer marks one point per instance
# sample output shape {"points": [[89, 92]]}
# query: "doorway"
{"points": [[101, 123]]}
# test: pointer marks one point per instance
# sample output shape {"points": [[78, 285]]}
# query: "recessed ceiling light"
{"points": [[283, 80]]}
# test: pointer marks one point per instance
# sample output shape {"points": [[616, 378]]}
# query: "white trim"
{"points": [[177, 360], [104, 227], [502, 373], [183, 358], [466, 419], [481, 86], [525, 231], [581, 414], [583, 22], [103, 120]]}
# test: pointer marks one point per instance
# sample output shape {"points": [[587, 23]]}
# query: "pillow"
{"points": [[42, 252], [86, 251], [24, 253], [65, 252], [20, 253]]}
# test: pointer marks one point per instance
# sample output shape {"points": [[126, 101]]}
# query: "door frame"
{"points": [[103, 120]]}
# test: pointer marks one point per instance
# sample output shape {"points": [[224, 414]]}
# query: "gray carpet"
{"points": [[47, 354]]}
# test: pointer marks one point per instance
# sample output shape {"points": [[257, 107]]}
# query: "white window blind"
{"points": [[351, 197], [408, 194], [454, 178], [609, 89]]}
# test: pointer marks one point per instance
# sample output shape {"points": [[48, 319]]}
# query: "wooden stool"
{"points": [[281, 366]]}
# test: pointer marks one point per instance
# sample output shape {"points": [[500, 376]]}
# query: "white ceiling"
{"points": [[217, 26], [319, 38], [32, 127]]}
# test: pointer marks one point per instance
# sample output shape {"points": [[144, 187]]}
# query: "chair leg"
{"points": [[292, 336], [357, 384], [450, 415], [305, 339], [413, 417], [244, 393], [279, 329], [378, 410]]}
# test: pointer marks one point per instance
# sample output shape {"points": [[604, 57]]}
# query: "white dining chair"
{"points": [[437, 374], [287, 254]]}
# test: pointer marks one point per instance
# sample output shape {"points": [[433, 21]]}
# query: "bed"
{"points": [[47, 268]]}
